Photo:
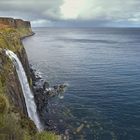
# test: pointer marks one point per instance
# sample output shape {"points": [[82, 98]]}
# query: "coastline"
{"points": [[33, 33], [14, 106]]}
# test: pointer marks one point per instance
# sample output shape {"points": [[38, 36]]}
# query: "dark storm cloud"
{"points": [[31, 9]]}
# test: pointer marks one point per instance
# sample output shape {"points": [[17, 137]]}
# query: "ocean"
{"points": [[102, 68]]}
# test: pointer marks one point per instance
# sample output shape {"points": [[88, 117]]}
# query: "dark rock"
{"points": [[55, 87], [42, 94], [45, 85]]}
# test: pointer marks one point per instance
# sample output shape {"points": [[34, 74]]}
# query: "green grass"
{"points": [[14, 124], [46, 136]]}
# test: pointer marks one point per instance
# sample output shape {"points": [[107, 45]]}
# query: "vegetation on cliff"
{"points": [[14, 121]]}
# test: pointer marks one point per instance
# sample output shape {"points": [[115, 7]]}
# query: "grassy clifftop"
{"points": [[14, 121], [13, 112]]}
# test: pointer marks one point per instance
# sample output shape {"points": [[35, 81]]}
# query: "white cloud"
{"points": [[100, 9], [69, 10], [41, 23]]}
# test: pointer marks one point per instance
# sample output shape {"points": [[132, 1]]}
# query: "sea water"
{"points": [[102, 68]]}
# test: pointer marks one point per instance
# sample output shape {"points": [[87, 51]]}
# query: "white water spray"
{"points": [[28, 95]]}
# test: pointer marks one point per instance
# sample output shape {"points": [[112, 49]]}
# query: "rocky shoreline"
{"points": [[42, 93]]}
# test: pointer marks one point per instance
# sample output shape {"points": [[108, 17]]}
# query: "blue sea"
{"points": [[102, 69]]}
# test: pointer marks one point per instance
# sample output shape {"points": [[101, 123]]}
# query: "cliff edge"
{"points": [[14, 121], [24, 27]]}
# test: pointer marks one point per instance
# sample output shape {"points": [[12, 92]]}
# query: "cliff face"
{"points": [[14, 23], [10, 38], [14, 121], [24, 27], [7, 22]]}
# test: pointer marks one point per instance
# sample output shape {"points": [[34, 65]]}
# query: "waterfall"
{"points": [[28, 95]]}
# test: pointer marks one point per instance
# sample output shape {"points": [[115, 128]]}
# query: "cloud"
{"points": [[42, 23], [73, 12], [47, 9], [102, 9]]}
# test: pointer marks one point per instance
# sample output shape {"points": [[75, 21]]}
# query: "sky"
{"points": [[77, 13]]}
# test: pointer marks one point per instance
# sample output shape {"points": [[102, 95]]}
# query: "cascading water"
{"points": [[29, 98]]}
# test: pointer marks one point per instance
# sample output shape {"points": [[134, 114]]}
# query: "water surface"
{"points": [[102, 68]]}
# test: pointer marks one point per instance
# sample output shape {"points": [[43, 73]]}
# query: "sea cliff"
{"points": [[14, 121]]}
